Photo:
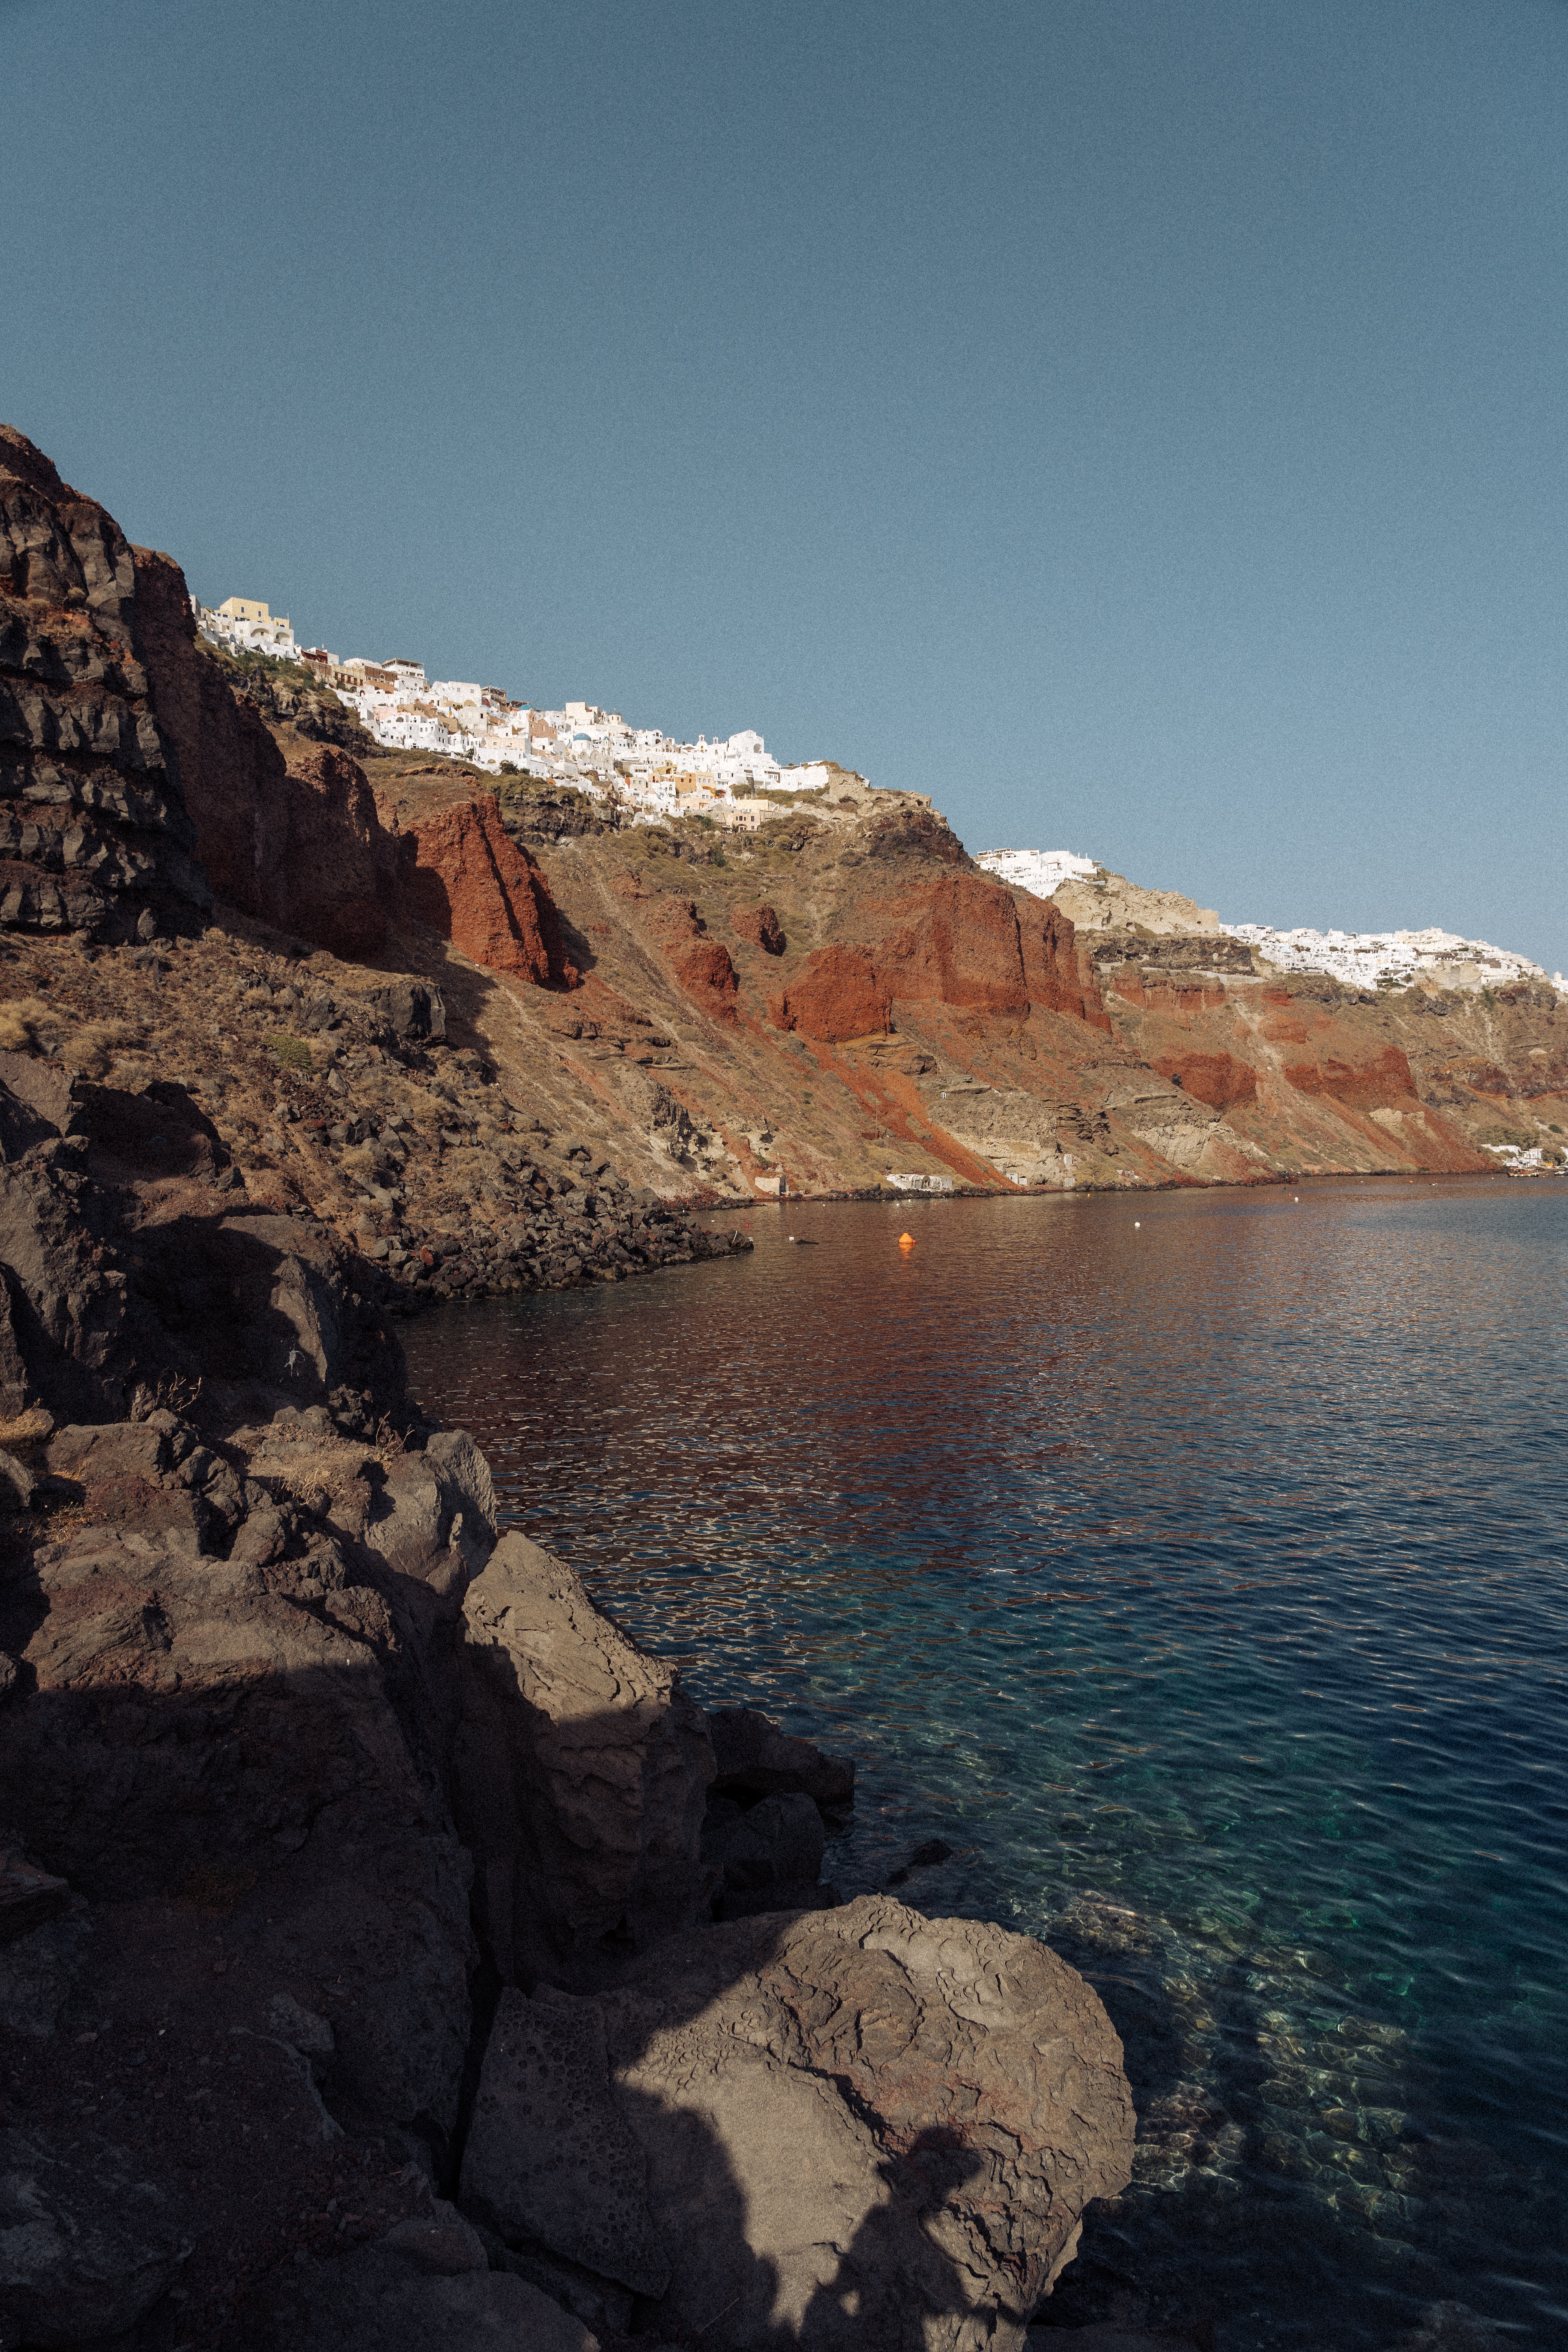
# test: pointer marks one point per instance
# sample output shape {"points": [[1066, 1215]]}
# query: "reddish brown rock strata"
{"points": [[843, 981], [458, 872]]}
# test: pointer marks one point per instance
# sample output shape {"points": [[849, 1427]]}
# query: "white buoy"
{"points": [[1137, 1224]]}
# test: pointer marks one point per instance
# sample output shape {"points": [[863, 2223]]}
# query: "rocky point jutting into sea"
{"points": [[393, 1952]]}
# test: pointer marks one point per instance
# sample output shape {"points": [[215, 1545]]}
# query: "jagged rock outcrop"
{"points": [[961, 941], [460, 872], [752, 1759], [298, 846], [112, 1299], [94, 833], [580, 1770], [761, 925]]}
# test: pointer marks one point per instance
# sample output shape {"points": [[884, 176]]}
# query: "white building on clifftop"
{"points": [[1370, 959], [246, 626], [1041, 871]]}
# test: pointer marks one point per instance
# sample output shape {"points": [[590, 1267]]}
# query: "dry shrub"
{"points": [[92, 1046], [368, 1161], [25, 1429], [291, 1052], [26, 1024]]}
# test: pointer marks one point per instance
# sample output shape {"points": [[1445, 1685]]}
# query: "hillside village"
{"points": [[650, 775], [1096, 899], [647, 777]]}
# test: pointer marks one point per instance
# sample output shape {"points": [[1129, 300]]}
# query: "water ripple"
{"points": [[1202, 1586]]}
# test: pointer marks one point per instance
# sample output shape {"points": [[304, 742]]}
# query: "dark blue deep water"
{"points": [[1202, 1584]]}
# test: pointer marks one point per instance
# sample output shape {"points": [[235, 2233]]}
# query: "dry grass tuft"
{"points": [[91, 1047], [25, 1429], [28, 1025]]}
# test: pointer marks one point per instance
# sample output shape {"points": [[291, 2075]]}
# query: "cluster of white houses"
{"points": [[1361, 959], [1390, 959], [650, 774]]}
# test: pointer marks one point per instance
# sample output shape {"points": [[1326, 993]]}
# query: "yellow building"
{"points": [[245, 608]]}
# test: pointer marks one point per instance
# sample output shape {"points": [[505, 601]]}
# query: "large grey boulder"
{"points": [[434, 1518], [86, 2246], [413, 1011], [864, 2129], [581, 1768]]}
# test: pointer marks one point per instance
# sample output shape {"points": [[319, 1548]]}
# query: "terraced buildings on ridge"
{"points": [[651, 774]]}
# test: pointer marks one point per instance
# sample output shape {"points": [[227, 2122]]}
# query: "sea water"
{"points": [[1192, 1565]]}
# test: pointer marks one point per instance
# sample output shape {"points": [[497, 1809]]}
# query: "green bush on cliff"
{"points": [[291, 1052]]}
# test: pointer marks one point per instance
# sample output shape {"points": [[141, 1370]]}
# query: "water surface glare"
{"points": [[1202, 1584]]}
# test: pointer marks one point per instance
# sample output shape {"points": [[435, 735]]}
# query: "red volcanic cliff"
{"points": [[760, 925], [1382, 1082], [298, 848], [458, 872], [839, 993], [303, 844], [1218, 1079], [959, 940]]}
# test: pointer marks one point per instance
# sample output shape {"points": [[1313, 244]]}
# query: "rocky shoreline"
{"points": [[390, 1950]]}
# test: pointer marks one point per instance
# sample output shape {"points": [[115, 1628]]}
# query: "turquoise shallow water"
{"points": [[1202, 1584]]}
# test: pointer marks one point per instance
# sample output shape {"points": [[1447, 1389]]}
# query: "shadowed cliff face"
{"points": [[94, 834]]}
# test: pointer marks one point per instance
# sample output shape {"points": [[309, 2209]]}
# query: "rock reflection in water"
{"points": [[1201, 1588]]}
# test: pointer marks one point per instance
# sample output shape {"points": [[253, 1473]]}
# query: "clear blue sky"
{"points": [[1139, 424]]}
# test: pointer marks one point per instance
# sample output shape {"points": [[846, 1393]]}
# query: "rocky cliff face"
{"points": [[352, 1861], [459, 874], [294, 841], [838, 998], [94, 833]]}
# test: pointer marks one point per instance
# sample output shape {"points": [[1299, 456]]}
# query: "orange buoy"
{"points": [[906, 1241]]}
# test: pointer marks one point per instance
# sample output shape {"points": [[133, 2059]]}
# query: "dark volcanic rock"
{"points": [[582, 1767], [755, 1758], [87, 2246], [551, 2160], [425, 2287], [94, 832]]}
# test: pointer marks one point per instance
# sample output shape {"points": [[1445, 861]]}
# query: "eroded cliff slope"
{"points": [[628, 1016]]}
